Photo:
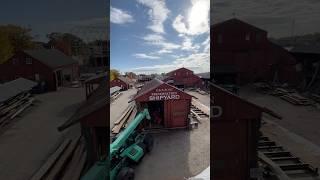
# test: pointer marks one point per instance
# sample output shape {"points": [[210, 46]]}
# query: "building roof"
{"points": [[235, 21], [124, 79], [306, 49], [51, 57], [114, 89], [97, 78], [179, 70], [205, 75], [13, 88], [98, 99]]}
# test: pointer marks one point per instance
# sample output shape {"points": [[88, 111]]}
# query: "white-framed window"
{"points": [[28, 60], [247, 37]]}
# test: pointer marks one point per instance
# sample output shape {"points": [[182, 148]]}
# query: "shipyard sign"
{"points": [[164, 94]]}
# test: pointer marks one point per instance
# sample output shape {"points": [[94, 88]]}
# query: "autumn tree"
{"points": [[114, 74], [12, 39]]}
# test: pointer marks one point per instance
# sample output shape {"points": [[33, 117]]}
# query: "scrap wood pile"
{"points": [[114, 96], [296, 99], [13, 107], [66, 163], [263, 87]]}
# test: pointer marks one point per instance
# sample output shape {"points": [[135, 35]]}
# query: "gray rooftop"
{"points": [[13, 88], [51, 57]]}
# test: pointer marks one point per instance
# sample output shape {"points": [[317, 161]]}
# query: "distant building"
{"points": [[43, 65], [144, 78], [243, 54], [122, 82], [183, 78]]}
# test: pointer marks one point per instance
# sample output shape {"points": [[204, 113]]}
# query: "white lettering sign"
{"points": [[163, 94]]}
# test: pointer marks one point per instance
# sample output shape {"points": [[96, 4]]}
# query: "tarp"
{"points": [[13, 88], [204, 175]]}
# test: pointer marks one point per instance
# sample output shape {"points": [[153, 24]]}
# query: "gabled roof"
{"points": [[235, 21], [205, 75], [179, 70], [97, 78], [98, 99], [51, 57], [153, 84], [124, 79]]}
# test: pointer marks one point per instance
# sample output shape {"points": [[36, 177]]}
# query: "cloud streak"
{"points": [[119, 16], [145, 56]]}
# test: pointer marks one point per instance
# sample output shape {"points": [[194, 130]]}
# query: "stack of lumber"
{"points": [[115, 96], [127, 115], [202, 92], [296, 99], [279, 92], [66, 163], [263, 87], [13, 107], [315, 97]]}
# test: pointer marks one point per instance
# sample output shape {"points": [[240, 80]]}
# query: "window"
{"points": [[175, 74], [247, 37], [28, 60], [219, 38]]}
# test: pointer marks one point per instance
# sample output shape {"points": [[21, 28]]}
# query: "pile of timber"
{"points": [[280, 92], [296, 99], [115, 96], [127, 115], [66, 163], [202, 92], [315, 97], [13, 107], [262, 87]]}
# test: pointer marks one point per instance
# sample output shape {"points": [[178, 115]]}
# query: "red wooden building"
{"points": [[48, 65], [121, 82], [245, 53], [168, 106], [93, 117], [184, 78], [235, 133]]}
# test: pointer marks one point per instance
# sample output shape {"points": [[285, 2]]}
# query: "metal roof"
{"points": [[307, 49], [114, 89], [124, 79], [13, 88], [205, 75], [51, 57], [98, 99]]}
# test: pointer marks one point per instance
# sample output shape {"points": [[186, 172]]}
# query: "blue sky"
{"points": [[45, 16], [154, 36]]}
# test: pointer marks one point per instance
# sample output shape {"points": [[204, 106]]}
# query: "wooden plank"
{"points": [[55, 171], [272, 113], [22, 108], [125, 114], [51, 161], [116, 129], [200, 106], [274, 167], [76, 165]]}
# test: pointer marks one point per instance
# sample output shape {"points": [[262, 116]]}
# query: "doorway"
{"points": [[156, 110]]}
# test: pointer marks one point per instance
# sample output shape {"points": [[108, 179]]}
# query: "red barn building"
{"points": [[235, 132], [121, 82], [43, 65], [184, 78], [244, 52], [168, 106]]}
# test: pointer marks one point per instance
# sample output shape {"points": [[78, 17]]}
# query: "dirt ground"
{"points": [[178, 154], [298, 130], [25, 146]]}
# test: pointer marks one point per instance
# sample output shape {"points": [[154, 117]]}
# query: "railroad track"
{"points": [[284, 162]]}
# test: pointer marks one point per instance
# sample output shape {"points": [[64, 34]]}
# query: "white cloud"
{"points": [[164, 51], [188, 45], [158, 13], [197, 21], [206, 45], [198, 62], [160, 41], [119, 16], [145, 56]]}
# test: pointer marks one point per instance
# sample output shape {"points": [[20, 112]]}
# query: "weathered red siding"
{"points": [[120, 83], [175, 110], [234, 136], [255, 58], [10, 71], [185, 77]]}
